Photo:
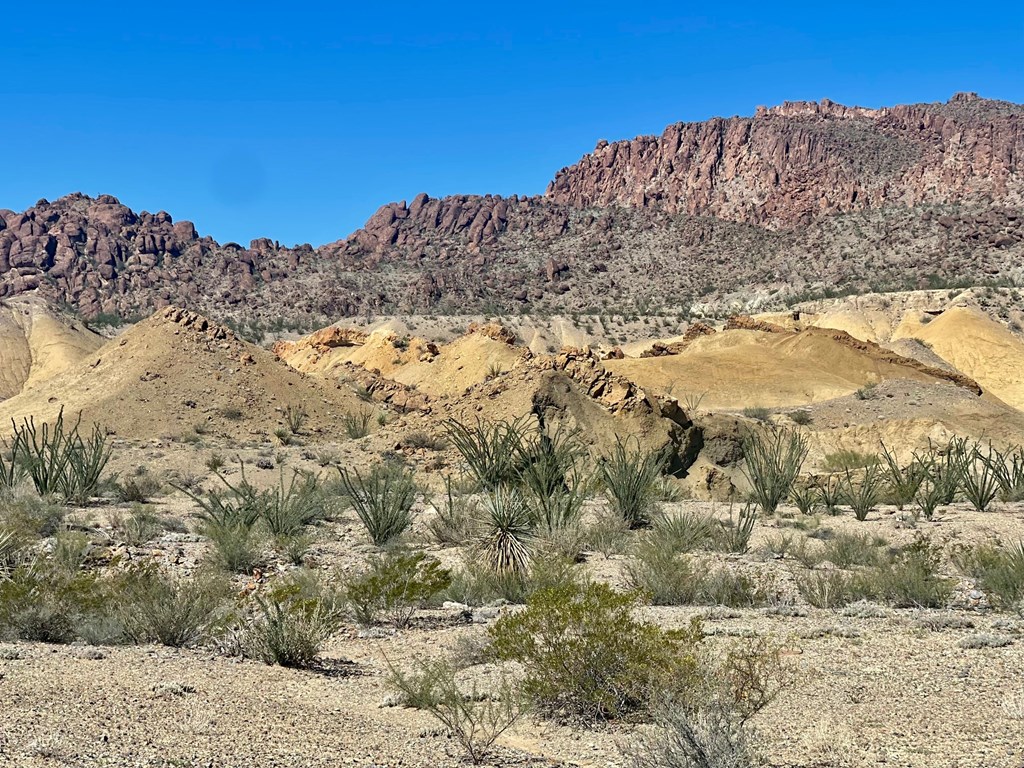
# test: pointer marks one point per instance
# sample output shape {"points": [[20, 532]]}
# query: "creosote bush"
{"points": [[396, 585], [586, 657], [474, 718]]}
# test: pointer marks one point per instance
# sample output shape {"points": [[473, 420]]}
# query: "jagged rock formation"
{"points": [[792, 163], [798, 200]]}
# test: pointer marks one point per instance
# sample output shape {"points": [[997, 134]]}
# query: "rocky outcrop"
{"points": [[321, 341], [746, 323], [494, 331], [790, 164], [707, 214], [886, 355]]}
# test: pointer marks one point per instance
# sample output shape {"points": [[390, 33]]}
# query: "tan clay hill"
{"points": [[774, 367], [436, 370], [177, 373], [37, 342], [965, 337]]}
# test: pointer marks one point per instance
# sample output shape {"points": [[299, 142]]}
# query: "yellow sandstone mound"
{"points": [[177, 373], [742, 368], [977, 345], [38, 342]]}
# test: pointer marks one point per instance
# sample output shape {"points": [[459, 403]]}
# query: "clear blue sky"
{"points": [[297, 120]]}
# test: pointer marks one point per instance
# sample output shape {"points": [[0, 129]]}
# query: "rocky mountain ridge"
{"points": [[741, 213]]}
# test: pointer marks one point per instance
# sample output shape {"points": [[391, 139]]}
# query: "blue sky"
{"points": [[296, 121]]}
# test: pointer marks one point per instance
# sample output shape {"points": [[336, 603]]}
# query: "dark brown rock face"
{"points": [[799, 199]]}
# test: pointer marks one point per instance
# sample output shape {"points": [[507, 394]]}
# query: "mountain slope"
{"points": [[729, 214]]}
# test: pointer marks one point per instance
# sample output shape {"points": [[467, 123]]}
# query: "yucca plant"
{"points": [[862, 495], [493, 452], [903, 480], [382, 499], [978, 481], [508, 531], [630, 476], [773, 462]]}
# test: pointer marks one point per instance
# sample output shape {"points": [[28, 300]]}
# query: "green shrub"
{"points": [[474, 718], [710, 738], [295, 418], [832, 589], [912, 579], [139, 528], [287, 509], [773, 462], [455, 522], [396, 584], [848, 549], [231, 413], [138, 489], [157, 608], [999, 570], [383, 500], [30, 517], [868, 391], [758, 413], [586, 657], [237, 547], [978, 480], [1008, 468], [657, 571], [801, 418], [357, 425], [607, 534], [420, 440], [831, 493], [45, 601], [290, 628], [734, 535], [840, 461], [685, 531], [904, 481], [806, 498], [630, 479]]}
